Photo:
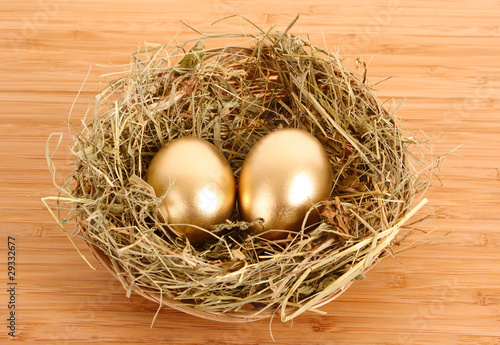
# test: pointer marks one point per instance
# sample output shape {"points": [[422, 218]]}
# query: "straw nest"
{"points": [[232, 96]]}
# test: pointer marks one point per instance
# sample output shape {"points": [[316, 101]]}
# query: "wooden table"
{"points": [[444, 59]]}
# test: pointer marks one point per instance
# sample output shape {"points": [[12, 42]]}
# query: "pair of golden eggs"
{"points": [[282, 177]]}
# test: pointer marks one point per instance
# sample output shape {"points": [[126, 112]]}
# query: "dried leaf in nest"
{"points": [[232, 96]]}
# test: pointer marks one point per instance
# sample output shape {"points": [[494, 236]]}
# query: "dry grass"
{"points": [[232, 96]]}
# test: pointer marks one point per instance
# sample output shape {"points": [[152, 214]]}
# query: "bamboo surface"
{"points": [[444, 60]]}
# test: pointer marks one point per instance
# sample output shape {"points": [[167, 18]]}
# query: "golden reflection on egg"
{"points": [[197, 183], [282, 177]]}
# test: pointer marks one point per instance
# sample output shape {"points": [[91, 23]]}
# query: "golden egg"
{"points": [[198, 185], [283, 175]]}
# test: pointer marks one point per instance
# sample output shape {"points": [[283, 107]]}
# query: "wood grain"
{"points": [[443, 57]]}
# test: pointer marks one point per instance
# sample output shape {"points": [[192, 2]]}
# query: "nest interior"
{"points": [[232, 96]]}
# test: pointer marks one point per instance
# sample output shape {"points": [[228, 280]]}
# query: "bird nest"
{"points": [[232, 96]]}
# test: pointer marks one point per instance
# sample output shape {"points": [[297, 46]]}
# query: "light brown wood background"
{"points": [[444, 57]]}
